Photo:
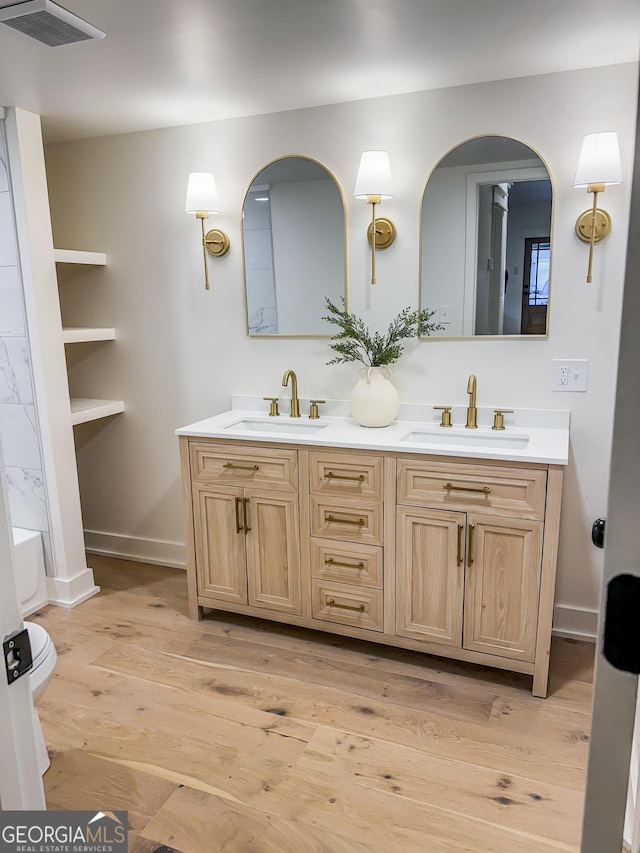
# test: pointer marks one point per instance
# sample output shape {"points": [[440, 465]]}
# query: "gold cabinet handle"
{"points": [[358, 523], [485, 490], [239, 527], [472, 529], [331, 476], [245, 504], [329, 561], [332, 603], [241, 467], [460, 532]]}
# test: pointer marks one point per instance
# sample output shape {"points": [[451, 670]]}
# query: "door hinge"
{"points": [[621, 645], [17, 655]]}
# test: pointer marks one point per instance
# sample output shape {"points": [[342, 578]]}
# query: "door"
{"points": [[502, 586], [272, 524], [535, 288], [615, 691], [430, 575], [219, 538], [20, 781]]}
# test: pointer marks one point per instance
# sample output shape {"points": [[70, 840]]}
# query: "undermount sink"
{"points": [[470, 438], [287, 425]]}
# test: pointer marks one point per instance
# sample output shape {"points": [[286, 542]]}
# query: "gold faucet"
{"points": [[295, 403], [472, 412]]}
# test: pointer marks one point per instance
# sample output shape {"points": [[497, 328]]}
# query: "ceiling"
{"points": [[174, 62]]}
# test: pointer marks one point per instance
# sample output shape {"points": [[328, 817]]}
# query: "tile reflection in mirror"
{"points": [[486, 240], [293, 228]]}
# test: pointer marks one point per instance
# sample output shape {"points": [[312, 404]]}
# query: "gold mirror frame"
{"points": [[329, 174], [493, 337]]}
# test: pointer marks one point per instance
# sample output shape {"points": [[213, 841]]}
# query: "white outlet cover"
{"points": [[577, 374]]}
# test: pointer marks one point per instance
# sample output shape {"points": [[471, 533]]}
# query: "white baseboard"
{"points": [[156, 551], [69, 592], [576, 623]]}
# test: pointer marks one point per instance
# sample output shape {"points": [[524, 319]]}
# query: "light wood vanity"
{"points": [[449, 556]]}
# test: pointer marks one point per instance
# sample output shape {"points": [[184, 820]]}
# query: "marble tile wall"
{"points": [[18, 423]]}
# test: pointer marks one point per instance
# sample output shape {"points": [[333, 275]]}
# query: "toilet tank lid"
{"points": [[39, 639]]}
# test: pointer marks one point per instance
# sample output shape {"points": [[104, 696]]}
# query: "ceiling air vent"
{"points": [[48, 23]]}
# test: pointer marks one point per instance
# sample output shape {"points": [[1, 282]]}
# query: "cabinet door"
{"points": [[219, 543], [430, 575], [273, 550], [502, 586]]}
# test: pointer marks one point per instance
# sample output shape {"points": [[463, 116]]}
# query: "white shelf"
{"points": [[70, 256], [78, 335], [83, 410]]}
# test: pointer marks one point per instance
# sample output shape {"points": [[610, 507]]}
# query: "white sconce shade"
{"points": [[599, 161], [374, 176], [202, 194]]}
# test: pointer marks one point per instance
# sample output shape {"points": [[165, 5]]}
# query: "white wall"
{"points": [[182, 351]]}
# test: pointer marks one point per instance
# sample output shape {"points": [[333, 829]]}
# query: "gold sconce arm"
{"points": [[593, 225]]}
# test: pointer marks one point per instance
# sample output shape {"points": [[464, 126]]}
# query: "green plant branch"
{"points": [[354, 341]]}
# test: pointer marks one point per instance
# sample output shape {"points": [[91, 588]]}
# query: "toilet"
{"points": [[29, 567]]}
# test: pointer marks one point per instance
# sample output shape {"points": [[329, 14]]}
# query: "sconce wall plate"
{"points": [[385, 233], [216, 242], [602, 225]]}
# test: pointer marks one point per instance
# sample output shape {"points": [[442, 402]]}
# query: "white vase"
{"points": [[374, 400]]}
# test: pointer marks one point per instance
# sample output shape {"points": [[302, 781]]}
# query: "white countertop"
{"points": [[530, 435]]}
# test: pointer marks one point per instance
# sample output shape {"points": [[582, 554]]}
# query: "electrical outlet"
{"points": [[570, 374]]}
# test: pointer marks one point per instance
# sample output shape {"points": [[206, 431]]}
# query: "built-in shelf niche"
{"points": [[84, 409]]}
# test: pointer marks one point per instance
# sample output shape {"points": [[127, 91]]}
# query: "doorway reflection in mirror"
{"points": [[486, 244]]}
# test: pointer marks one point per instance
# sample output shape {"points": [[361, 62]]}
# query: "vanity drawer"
{"points": [[345, 604], [518, 492], [346, 474], [258, 467], [348, 562], [352, 520]]}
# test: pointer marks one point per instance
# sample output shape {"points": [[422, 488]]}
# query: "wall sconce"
{"points": [[202, 199], [373, 185], [598, 166]]}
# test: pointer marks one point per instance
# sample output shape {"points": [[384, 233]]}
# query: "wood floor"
{"points": [[245, 736]]}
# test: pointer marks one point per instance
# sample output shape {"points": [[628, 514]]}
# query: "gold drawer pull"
{"points": [[358, 523], [239, 526], [485, 490], [331, 562], [332, 603], [460, 531], [245, 504], [331, 476], [241, 467]]}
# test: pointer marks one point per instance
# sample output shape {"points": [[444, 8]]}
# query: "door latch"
{"points": [[17, 655]]}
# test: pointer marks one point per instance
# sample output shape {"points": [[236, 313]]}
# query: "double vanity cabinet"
{"points": [[444, 554]]}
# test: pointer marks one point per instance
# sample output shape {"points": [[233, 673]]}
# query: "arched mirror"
{"points": [[293, 230], [486, 240]]}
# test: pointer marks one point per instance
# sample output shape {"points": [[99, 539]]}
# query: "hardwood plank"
{"points": [[450, 700], [202, 823], [386, 821], [511, 801], [541, 758], [90, 782]]}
